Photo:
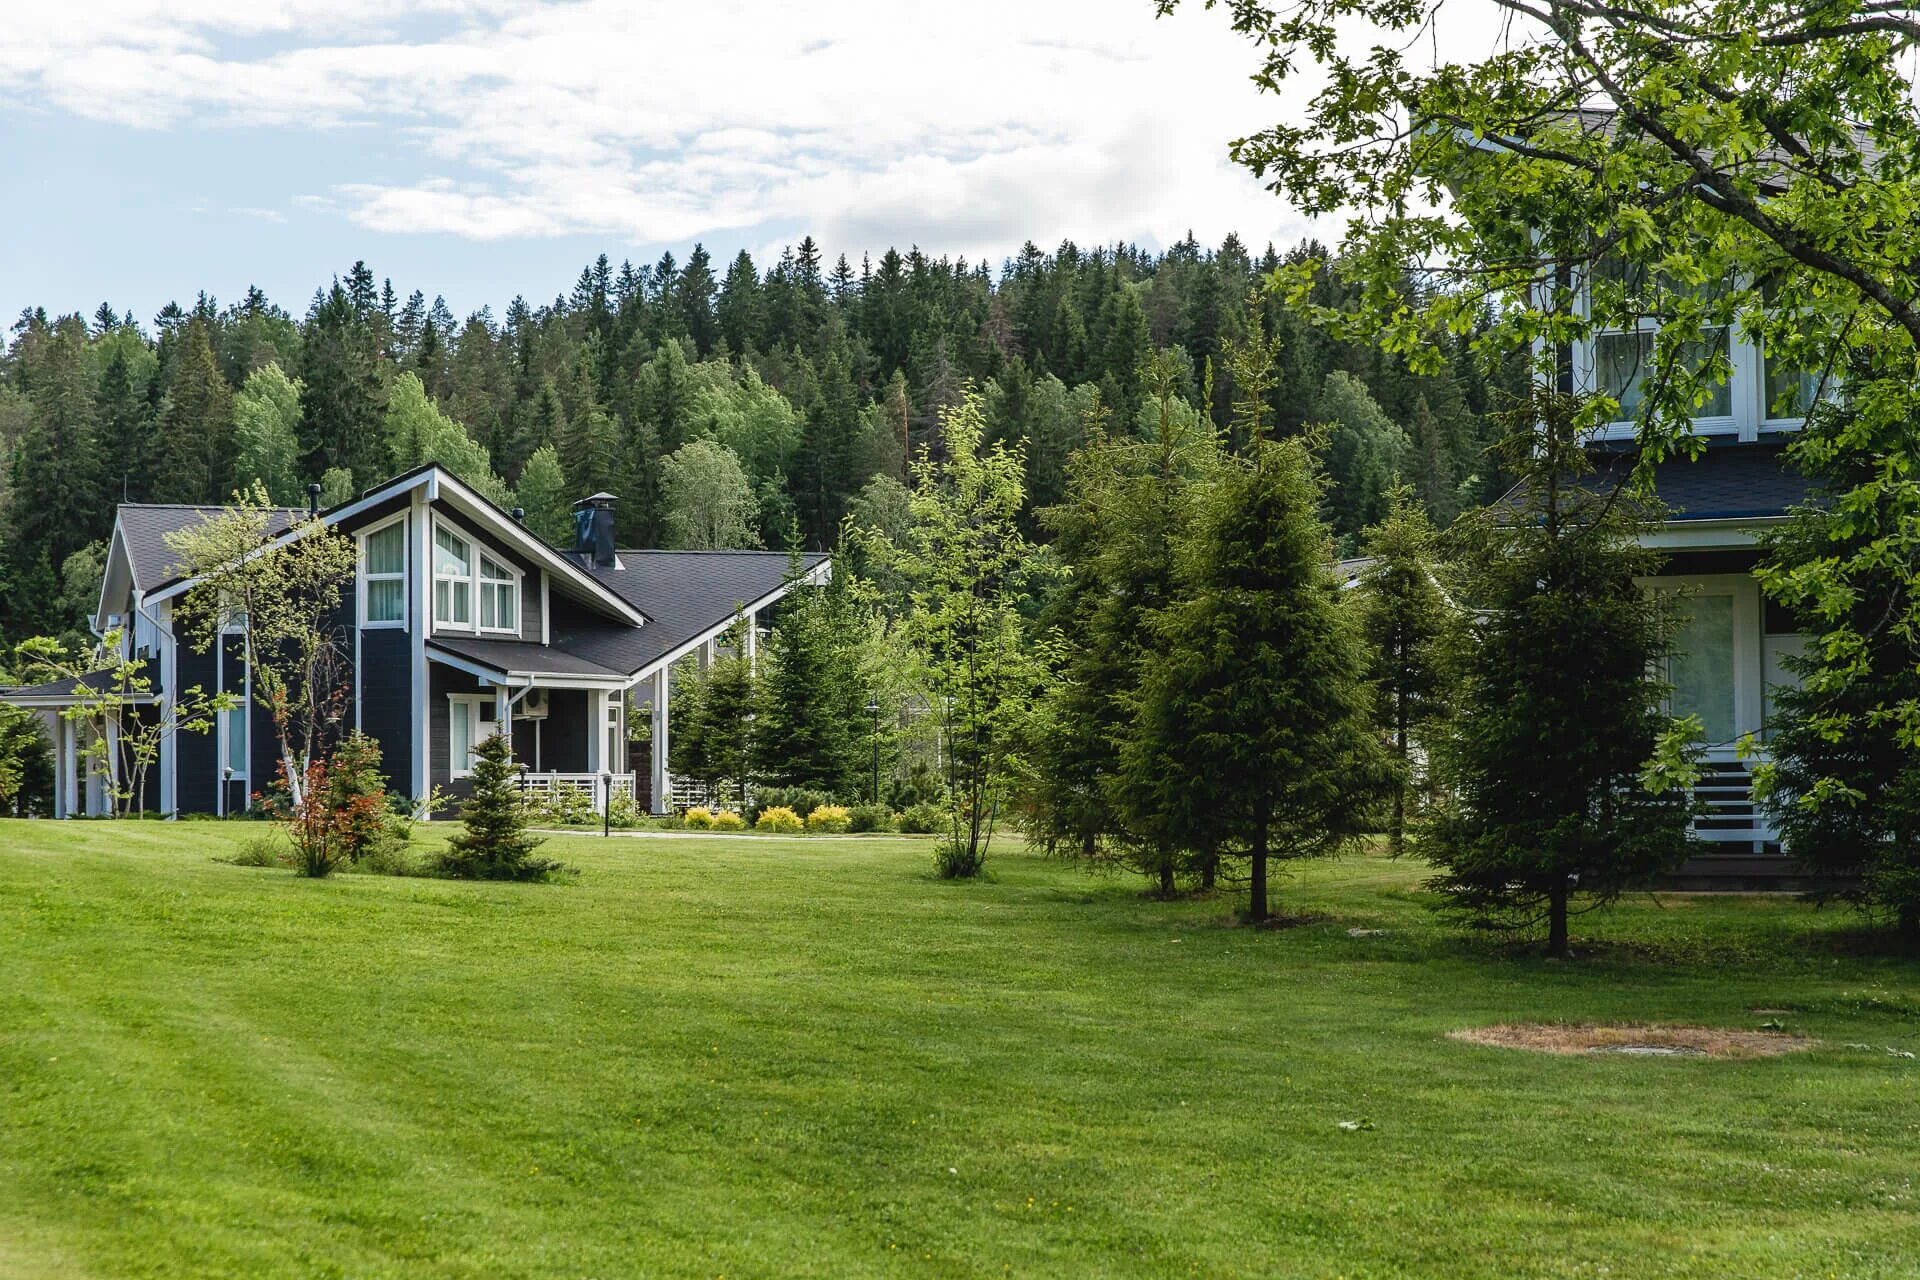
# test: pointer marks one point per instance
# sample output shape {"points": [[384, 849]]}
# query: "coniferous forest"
{"points": [[726, 405]]}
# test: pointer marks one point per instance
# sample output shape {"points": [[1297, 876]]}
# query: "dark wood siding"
{"points": [[443, 680], [386, 697], [196, 755], [563, 739]]}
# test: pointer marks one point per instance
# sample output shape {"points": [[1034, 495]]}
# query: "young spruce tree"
{"points": [[493, 843], [1254, 736], [1550, 786], [1405, 614]]}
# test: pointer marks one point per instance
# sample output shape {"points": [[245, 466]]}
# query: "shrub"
{"points": [[924, 820], [699, 819], [829, 818], [269, 850], [494, 844], [870, 817], [798, 799], [952, 860], [728, 820], [387, 858], [781, 819], [565, 805], [623, 812]]}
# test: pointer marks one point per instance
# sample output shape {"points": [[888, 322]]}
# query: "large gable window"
{"points": [[383, 575], [452, 579], [499, 596], [473, 590]]}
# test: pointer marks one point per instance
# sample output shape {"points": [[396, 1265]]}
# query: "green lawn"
{"points": [[750, 1057]]}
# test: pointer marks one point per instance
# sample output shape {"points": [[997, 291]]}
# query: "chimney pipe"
{"points": [[519, 515], [593, 527], [313, 499]]}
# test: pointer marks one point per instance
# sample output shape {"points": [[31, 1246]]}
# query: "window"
{"points": [[616, 733], [383, 575], [499, 596], [1623, 357], [234, 732], [470, 719], [1703, 665], [452, 578], [1791, 392]]}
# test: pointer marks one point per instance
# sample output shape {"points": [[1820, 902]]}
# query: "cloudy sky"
{"points": [[484, 148]]}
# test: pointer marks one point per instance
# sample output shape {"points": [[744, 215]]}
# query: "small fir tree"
{"points": [[1254, 736], [1405, 614], [1550, 790], [493, 843]]}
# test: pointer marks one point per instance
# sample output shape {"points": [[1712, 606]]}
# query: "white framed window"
{"points": [[383, 575], [470, 720], [1621, 359], [499, 595], [616, 733], [452, 579]]}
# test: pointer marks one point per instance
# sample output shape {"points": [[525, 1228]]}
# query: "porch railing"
{"points": [[542, 786], [1725, 790]]}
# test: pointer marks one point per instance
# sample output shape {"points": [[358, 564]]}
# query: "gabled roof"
{"points": [[686, 596], [144, 527], [443, 485]]}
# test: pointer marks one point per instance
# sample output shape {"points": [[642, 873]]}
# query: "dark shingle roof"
{"points": [[521, 655], [53, 690], [683, 593], [146, 526], [1727, 482]]}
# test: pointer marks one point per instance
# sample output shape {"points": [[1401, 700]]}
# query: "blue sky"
{"points": [[483, 148]]}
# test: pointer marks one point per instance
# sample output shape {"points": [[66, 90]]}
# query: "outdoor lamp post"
{"points": [[226, 792], [606, 803], [873, 709]]}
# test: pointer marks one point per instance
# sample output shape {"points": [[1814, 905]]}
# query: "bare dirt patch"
{"points": [[1636, 1041]]}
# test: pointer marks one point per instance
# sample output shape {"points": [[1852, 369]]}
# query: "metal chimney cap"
{"points": [[596, 500]]}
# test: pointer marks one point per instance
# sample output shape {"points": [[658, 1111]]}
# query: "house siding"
{"points": [[197, 755], [386, 695], [441, 681]]}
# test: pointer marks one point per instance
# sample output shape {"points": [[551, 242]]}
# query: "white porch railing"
{"points": [[1730, 815], [542, 786]]}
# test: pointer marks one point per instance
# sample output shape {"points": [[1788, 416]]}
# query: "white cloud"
{"points": [[964, 129]]}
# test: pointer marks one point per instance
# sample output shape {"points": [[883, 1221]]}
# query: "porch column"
{"points": [[62, 766], [751, 643], [662, 687]]}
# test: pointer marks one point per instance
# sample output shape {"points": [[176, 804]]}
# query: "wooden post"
{"points": [[662, 784]]}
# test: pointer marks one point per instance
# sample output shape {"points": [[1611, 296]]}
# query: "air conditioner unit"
{"points": [[533, 706]]}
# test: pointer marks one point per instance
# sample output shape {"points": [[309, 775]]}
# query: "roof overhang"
{"points": [[514, 679], [1732, 532]]}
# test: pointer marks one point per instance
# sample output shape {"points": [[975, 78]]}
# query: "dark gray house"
{"points": [[459, 621]]}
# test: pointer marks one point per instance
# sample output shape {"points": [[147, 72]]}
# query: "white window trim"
{"points": [[474, 579], [360, 540], [481, 582], [1745, 386], [1749, 696], [474, 701]]}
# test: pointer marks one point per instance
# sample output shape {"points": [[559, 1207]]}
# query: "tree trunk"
{"points": [[1166, 874], [1910, 927], [1557, 920], [1257, 902], [1397, 824], [1210, 871]]}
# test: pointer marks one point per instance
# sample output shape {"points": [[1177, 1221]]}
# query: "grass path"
{"points": [[760, 1057]]}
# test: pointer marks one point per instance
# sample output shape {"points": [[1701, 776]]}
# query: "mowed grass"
{"points": [[754, 1057]]}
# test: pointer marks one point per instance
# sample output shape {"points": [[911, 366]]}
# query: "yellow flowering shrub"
{"points": [[699, 819], [831, 818], [781, 819], [728, 820]]}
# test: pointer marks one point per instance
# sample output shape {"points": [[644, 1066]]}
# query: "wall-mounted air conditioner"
{"points": [[532, 707]]}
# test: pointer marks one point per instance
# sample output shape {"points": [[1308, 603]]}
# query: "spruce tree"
{"points": [[343, 401], [802, 735], [1253, 737], [195, 456], [493, 843], [1405, 615], [1546, 792], [56, 493]]}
